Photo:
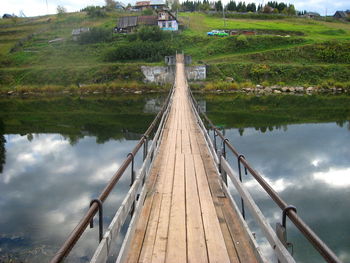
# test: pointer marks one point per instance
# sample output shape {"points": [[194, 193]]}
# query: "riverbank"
{"points": [[263, 89], [139, 88], [132, 87]]}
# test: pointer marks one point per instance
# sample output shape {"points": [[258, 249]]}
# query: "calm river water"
{"points": [[58, 154]]}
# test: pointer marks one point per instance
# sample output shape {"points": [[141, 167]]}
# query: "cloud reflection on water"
{"points": [[309, 166], [46, 187]]}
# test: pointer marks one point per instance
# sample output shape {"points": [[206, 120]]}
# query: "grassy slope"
{"points": [[35, 61], [304, 54]]}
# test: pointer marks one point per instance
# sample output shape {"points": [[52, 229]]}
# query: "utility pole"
{"points": [[223, 13], [47, 8]]}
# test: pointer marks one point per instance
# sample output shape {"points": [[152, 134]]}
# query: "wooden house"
{"points": [[154, 4], [167, 21], [311, 15], [341, 14]]}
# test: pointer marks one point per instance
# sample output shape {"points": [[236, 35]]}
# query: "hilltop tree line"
{"points": [[242, 7]]}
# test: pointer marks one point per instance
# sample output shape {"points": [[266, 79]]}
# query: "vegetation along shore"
{"points": [[264, 51]]}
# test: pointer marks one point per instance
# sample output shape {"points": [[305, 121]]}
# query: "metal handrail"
{"points": [[89, 215], [317, 243]]}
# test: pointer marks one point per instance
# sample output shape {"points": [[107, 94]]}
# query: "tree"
{"points": [[61, 10], [218, 6], [251, 7], [291, 10], [232, 6], [110, 4]]}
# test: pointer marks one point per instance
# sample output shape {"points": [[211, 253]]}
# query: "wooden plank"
{"points": [[148, 244], [176, 246], [193, 141], [218, 195], [160, 243], [217, 251], [140, 232], [196, 244], [186, 144]]}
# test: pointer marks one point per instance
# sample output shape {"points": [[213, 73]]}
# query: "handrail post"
{"points": [[145, 147], [223, 154], [132, 180], [215, 148], [100, 217], [240, 178]]}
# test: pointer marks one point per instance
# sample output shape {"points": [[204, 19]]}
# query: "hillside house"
{"points": [[311, 15], [341, 14], [120, 6], [167, 21], [5, 16], [154, 4]]}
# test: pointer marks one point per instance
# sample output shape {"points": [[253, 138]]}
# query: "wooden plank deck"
{"points": [[186, 216]]}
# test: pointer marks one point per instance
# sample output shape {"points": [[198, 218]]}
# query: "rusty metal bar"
{"points": [[317, 243], [84, 222], [100, 217]]}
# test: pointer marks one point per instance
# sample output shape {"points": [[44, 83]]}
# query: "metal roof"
{"points": [[157, 2]]}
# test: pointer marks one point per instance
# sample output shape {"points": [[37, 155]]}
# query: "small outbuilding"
{"points": [[126, 24], [77, 32]]}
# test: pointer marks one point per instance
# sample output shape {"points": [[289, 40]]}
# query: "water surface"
{"points": [[301, 146], [56, 154]]}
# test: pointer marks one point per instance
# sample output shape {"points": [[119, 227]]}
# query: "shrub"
{"points": [[96, 35], [147, 50], [94, 11], [152, 33], [242, 41]]}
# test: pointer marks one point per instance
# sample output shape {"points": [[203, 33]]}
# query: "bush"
{"points": [[94, 11], [147, 50], [152, 33], [96, 35], [242, 41]]}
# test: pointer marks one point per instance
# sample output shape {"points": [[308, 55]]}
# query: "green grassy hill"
{"points": [[289, 50]]}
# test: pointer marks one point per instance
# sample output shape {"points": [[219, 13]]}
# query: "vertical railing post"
{"points": [[145, 147], [100, 217], [223, 172], [215, 148], [240, 178], [132, 179]]}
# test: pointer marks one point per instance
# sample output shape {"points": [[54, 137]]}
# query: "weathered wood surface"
{"points": [[186, 216]]}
